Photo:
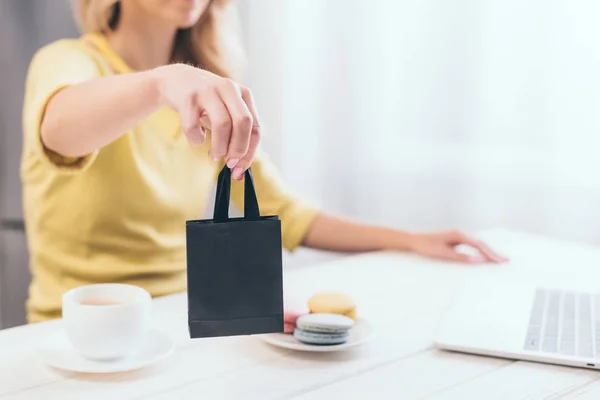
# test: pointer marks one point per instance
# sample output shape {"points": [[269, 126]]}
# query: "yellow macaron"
{"points": [[333, 303]]}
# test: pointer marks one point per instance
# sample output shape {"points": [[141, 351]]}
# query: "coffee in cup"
{"points": [[106, 321]]}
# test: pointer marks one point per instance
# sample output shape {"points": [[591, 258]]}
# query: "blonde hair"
{"points": [[212, 43]]}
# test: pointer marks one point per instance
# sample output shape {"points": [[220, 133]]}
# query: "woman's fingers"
{"points": [[245, 162], [242, 122], [489, 253], [452, 255], [220, 124], [486, 251], [220, 105], [190, 122], [481, 247]]}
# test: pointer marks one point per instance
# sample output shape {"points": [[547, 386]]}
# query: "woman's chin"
{"points": [[186, 25], [186, 17], [188, 21]]}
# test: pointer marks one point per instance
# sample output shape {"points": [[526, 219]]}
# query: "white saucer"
{"points": [[360, 333], [57, 352]]}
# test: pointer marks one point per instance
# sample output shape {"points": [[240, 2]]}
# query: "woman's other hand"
{"points": [[445, 246], [207, 101]]}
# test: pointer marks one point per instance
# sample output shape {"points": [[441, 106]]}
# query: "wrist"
{"points": [[155, 82], [397, 240]]}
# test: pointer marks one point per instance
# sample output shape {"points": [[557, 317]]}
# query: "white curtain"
{"points": [[432, 114]]}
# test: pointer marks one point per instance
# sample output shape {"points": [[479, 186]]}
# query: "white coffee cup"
{"points": [[106, 321]]}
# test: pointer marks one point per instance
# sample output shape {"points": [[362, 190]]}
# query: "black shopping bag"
{"points": [[234, 268]]}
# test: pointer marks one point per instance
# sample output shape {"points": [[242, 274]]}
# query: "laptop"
{"points": [[525, 320]]}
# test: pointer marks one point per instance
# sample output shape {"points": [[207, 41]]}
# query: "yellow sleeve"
{"points": [[296, 216], [54, 67]]}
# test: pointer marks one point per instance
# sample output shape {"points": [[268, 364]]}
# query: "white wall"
{"points": [[435, 114]]}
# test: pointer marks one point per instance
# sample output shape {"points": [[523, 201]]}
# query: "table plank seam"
{"points": [[321, 385], [206, 378], [13, 392], [469, 379], [565, 395]]}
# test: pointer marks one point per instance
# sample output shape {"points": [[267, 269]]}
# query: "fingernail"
{"points": [[232, 162], [215, 158], [238, 173]]}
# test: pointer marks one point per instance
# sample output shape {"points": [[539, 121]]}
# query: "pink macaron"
{"points": [[292, 310]]}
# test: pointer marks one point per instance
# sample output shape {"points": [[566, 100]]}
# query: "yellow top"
{"points": [[118, 215]]}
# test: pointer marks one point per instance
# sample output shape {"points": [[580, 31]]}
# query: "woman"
{"points": [[123, 138]]}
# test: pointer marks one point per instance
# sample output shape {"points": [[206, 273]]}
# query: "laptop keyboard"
{"points": [[565, 323]]}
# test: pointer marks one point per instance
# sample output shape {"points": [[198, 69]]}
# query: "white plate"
{"points": [[57, 352], [359, 334]]}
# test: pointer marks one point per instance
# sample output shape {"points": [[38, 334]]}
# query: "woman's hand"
{"points": [[332, 233], [444, 246], [207, 101]]}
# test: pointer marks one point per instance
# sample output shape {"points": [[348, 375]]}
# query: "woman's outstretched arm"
{"points": [[82, 118], [332, 233]]}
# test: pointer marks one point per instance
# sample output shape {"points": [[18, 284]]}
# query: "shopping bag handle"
{"points": [[251, 210]]}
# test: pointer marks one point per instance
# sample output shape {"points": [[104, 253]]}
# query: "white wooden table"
{"points": [[402, 295]]}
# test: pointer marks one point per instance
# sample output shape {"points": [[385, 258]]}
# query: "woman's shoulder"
{"points": [[71, 52], [64, 47]]}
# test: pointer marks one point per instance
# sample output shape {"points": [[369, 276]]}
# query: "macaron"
{"points": [[292, 310], [320, 338], [325, 323], [332, 303], [288, 328]]}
